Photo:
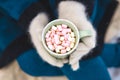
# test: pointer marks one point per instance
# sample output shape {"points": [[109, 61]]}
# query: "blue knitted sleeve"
{"points": [[111, 55]]}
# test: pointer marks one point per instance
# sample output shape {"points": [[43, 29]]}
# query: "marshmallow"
{"points": [[68, 49], [57, 50], [57, 41], [60, 39], [66, 45], [73, 40], [48, 39], [47, 35], [63, 51], [68, 42], [54, 28], [55, 45], [68, 30], [64, 31], [53, 41], [56, 36], [72, 45], [59, 47], [49, 43], [72, 34], [63, 47], [49, 32], [59, 27], [51, 47], [64, 26], [69, 38], [52, 35], [66, 37], [58, 33]]}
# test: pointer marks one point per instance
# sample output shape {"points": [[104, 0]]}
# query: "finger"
{"points": [[75, 66], [47, 57], [37, 24], [58, 63], [81, 51], [74, 58], [65, 60], [75, 13], [35, 30], [39, 21]]}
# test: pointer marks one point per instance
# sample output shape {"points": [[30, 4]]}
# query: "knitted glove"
{"points": [[35, 30], [75, 12]]}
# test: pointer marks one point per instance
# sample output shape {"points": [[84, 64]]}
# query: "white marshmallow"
{"points": [[54, 28], [64, 26], [63, 51], [72, 34], [72, 45], [59, 47], [59, 27], [47, 35], [69, 38], [62, 38], [68, 49], [73, 40], [57, 50], [51, 47]]}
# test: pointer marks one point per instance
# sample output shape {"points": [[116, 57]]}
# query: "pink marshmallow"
{"points": [[53, 41], [58, 33], [64, 26], [51, 47], [63, 43], [66, 37], [48, 39], [55, 45], [58, 38], [57, 41], [52, 35], [68, 42], [68, 30], [64, 31], [47, 35], [49, 43], [63, 51], [59, 27], [63, 47]]}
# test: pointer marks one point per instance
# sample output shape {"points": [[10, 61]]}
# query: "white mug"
{"points": [[78, 34]]}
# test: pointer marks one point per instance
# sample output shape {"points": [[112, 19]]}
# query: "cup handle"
{"points": [[85, 33]]}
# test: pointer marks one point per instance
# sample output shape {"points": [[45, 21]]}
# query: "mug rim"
{"points": [[48, 26]]}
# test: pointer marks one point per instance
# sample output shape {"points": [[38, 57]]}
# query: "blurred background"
{"points": [[13, 71]]}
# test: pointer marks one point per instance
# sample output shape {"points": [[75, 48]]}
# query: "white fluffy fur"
{"points": [[75, 12], [35, 30]]}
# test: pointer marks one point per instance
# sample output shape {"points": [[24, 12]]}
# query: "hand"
{"points": [[75, 12], [35, 30]]}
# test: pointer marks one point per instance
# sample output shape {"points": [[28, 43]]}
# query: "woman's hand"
{"points": [[35, 30], [75, 12]]}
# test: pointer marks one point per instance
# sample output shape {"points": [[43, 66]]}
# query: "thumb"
{"points": [[75, 66]]}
